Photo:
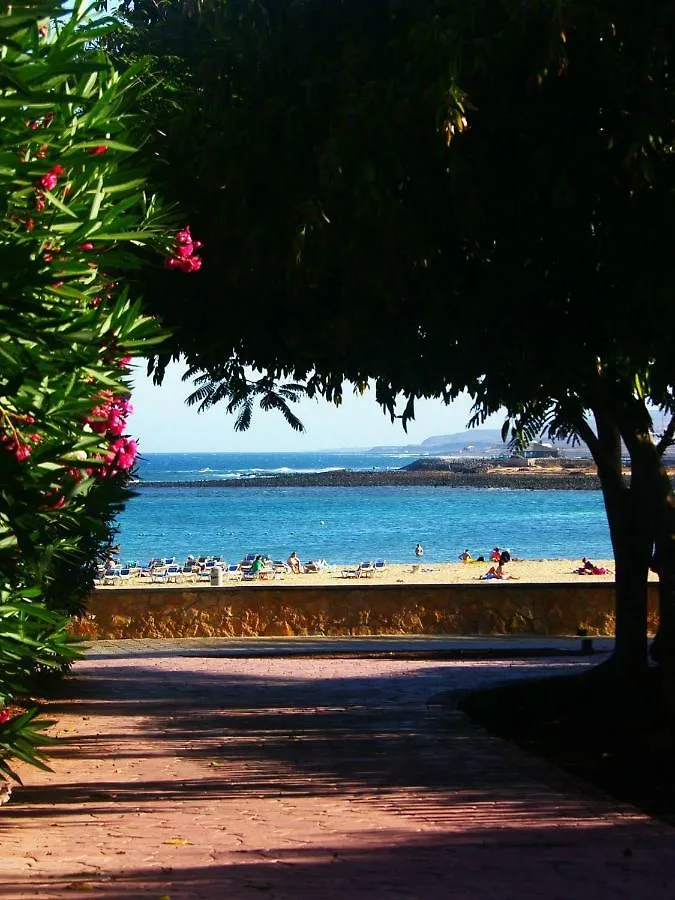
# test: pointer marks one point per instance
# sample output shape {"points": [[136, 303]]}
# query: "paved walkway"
{"points": [[221, 775]]}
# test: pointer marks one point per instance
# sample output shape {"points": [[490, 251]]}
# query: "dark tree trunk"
{"points": [[632, 554], [663, 646], [631, 532], [653, 520]]}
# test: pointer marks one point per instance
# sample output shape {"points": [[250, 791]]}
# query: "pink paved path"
{"points": [[309, 778]]}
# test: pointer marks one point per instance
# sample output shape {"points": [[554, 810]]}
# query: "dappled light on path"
{"points": [[213, 777]]}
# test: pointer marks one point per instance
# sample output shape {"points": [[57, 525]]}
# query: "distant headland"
{"points": [[536, 474]]}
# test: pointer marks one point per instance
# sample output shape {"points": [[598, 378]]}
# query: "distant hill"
{"points": [[479, 439], [477, 442]]}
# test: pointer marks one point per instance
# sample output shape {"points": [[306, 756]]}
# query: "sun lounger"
{"points": [[366, 569], [351, 573], [173, 573], [159, 576]]}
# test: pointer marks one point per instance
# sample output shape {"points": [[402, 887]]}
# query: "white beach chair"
{"points": [[159, 575], [366, 569], [173, 573]]}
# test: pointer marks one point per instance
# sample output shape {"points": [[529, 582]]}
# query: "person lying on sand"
{"points": [[589, 568], [498, 572]]}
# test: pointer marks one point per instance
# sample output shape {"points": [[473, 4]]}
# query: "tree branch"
{"points": [[666, 439], [587, 434]]}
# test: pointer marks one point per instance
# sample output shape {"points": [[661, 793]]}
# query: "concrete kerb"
{"points": [[393, 646]]}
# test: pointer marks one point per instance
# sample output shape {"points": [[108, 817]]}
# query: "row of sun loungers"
{"points": [[366, 569], [214, 570]]}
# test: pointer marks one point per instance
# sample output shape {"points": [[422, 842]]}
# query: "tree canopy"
{"points": [[440, 196], [444, 180]]}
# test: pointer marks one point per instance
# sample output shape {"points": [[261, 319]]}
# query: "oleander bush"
{"points": [[76, 221]]}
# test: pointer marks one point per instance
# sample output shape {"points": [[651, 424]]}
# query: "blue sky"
{"points": [[162, 422]]}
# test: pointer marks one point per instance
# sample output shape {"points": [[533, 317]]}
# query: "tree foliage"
{"points": [[74, 219], [439, 196]]}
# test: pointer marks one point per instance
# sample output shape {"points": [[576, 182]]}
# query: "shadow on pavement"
{"points": [[465, 864], [276, 736]]}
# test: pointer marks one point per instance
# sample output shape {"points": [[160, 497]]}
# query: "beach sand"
{"points": [[527, 571]]}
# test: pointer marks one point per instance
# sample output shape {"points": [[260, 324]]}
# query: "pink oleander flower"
{"points": [[5, 716], [44, 122], [87, 246], [19, 449], [53, 500], [98, 151], [184, 256], [110, 414], [49, 181], [127, 457], [17, 444], [191, 264], [123, 363], [39, 203], [43, 30], [120, 457]]}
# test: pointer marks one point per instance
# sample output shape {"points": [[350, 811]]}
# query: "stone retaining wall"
{"points": [[278, 610]]}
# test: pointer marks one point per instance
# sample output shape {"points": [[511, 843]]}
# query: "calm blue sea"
{"points": [[345, 525]]}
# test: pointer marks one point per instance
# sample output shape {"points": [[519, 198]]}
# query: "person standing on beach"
{"points": [[419, 551]]}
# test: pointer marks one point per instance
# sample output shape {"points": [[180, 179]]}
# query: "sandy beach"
{"points": [[528, 571]]}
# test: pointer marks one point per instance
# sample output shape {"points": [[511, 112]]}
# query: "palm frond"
{"points": [[228, 384]]}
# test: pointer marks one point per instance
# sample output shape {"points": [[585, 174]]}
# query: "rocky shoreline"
{"points": [[522, 480]]}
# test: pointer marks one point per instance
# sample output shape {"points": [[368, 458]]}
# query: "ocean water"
{"points": [[347, 524], [162, 467]]}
